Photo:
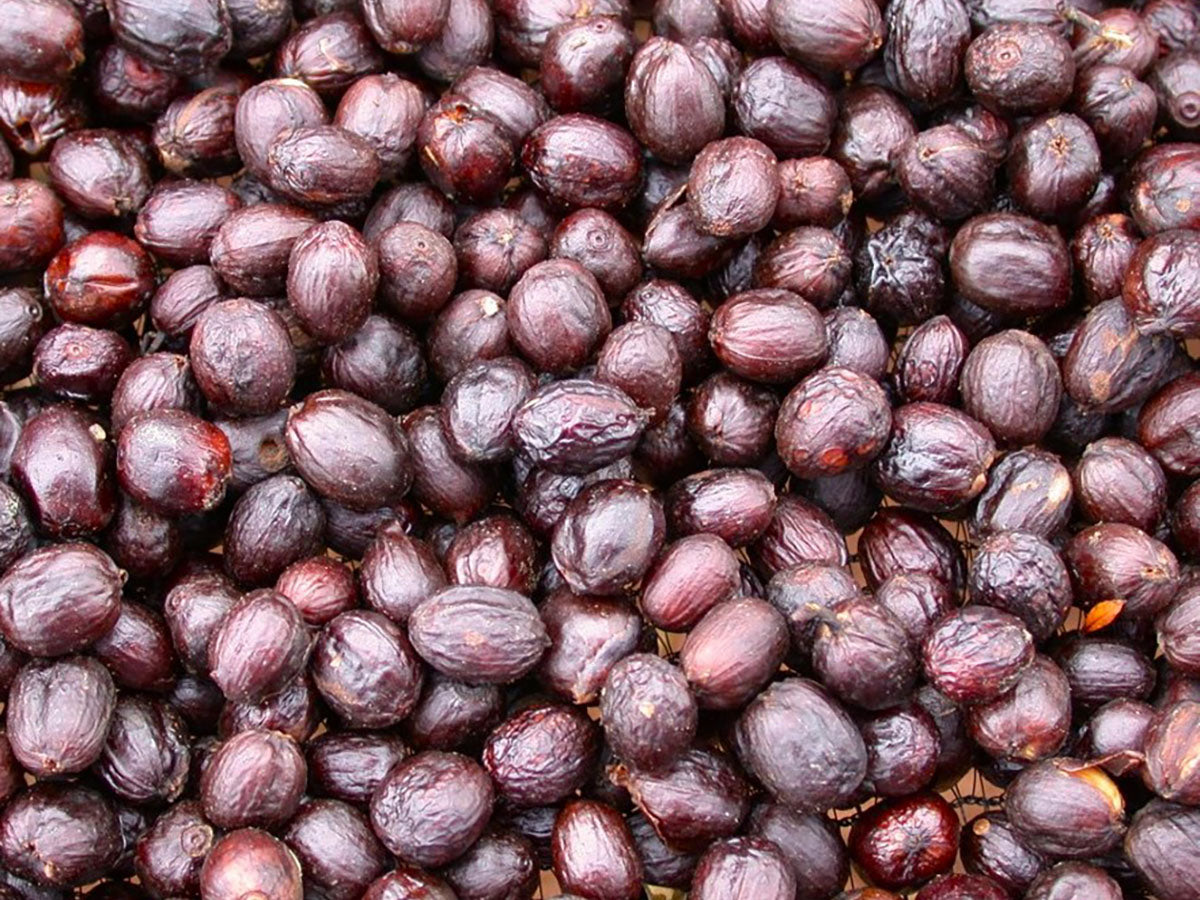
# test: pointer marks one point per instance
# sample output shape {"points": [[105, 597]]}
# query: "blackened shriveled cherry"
{"points": [[398, 572], [901, 843], [1119, 109], [1020, 68], [366, 670], [430, 809], [1101, 669], [478, 406], [59, 835], [34, 115], [173, 462], [1053, 165], [1159, 303], [266, 111], [862, 654], [518, 107], [254, 778], [833, 421], [1162, 847], [608, 537], [666, 79], [584, 62], [648, 712], [464, 41], [1062, 807], [78, 689], [494, 248], [916, 599], [872, 126], [1114, 561], [946, 172], [975, 654], [251, 860], [451, 714], [466, 152], [381, 361], [671, 306], [557, 315], [294, 712], [329, 52], [700, 798], [673, 244], [472, 326], [259, 647], [1011, 264], [575, 426], [450, 487], [937, 458], [336, 848], [242, 357], [782, 734], [508, 636], [31, 217], [154, 381], [417, 270], [195, 135], [1162, 190], [812, 191]]}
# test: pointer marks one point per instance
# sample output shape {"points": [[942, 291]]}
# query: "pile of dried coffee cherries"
{"points": [[487, 449]]}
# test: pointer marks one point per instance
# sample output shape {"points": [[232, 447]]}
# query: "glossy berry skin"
{"points": [[173, 462], [901, 843]]}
